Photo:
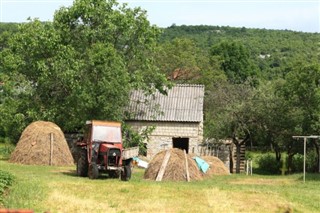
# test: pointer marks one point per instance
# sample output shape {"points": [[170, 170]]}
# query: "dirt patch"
{"points": [[42, 143], [176, 167]]}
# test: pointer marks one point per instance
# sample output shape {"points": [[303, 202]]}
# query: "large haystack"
{"points": [[42, 143], [176, 167], [217, 167]]}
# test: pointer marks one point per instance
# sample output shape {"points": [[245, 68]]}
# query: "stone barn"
{"points": [[176, 118]]}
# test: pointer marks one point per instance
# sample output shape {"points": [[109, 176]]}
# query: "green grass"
{"points": [[57, 189]]}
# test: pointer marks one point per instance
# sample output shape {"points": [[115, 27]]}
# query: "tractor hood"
{"points": [[104, 147]]}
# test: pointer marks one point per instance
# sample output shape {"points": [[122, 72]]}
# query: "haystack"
{"points": [[42, 143], [176, 167], [217, 167]]}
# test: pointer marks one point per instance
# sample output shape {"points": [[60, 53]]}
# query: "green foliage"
{"points": [[228, 110], [5, 150], [133, 138], [235, 61], [178, 59], [268, 164], [271, 51], [6, 180], [297, 163], [311, 162], [302, 89], [79, 67], [182, 61]]}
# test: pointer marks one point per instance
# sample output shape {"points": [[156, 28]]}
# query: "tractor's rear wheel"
{"points": [[82, 163], [93, 172]]}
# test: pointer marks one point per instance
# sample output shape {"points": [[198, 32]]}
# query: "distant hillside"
{"points": [[10, 27], [270, 49]]}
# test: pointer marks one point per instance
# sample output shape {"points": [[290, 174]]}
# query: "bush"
{"points": [[6, 180], [311, 162], [268, 164], [5, 151], [297, 163]]}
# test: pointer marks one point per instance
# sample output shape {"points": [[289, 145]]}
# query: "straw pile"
{"points": [[42, 143], [217, 167], [176, 167]]}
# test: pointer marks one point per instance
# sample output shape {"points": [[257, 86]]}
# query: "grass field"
{"points": [[57, 189]]}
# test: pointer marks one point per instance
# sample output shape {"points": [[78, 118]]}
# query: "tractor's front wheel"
{"points": [[93, 172], [126, 173], [82, 163]]}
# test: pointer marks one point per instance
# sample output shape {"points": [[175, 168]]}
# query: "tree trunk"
{"points": [[238, 146], [231, 159], [277, 151], [290, 156], [316, 145]]}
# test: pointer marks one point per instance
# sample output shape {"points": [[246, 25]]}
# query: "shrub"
{"points": [[311, 162], [6, 150], [268, 164], [297, 163], [6, 180]]}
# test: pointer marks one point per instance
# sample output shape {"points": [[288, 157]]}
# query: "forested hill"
{"points": [[260, 41], [269, 49]]}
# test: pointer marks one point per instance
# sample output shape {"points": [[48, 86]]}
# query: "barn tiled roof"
{"points": [[183, 103]]}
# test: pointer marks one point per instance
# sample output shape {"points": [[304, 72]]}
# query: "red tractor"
{"points": [[101, 150]]}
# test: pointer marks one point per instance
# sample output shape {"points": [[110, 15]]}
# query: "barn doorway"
{"points": [[181, 143]]}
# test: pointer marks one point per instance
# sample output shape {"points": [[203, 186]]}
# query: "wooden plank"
{"points": [[163, 166], [51, 149], [187, 167]]}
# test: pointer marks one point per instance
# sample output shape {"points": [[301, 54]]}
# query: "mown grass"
{"points": [[57, 189]]}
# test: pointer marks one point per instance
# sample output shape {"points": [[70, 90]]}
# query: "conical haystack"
{"points": [[42, 143], [175, 169], [217, 167]]}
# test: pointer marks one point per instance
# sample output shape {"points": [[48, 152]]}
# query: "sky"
{"points": [[296, 15]]}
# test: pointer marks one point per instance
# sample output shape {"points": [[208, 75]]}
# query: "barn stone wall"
{"points": [[161, 137]]}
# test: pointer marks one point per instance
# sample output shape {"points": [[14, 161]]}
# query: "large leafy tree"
{"points": [[182, 61], [302, 90], [276, 120], [229, 113], [235, 61], [83, 64]]}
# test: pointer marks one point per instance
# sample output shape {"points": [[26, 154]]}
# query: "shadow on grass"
{"points": [[102, 176], [72, 173], [310, 177], [263, 172]]}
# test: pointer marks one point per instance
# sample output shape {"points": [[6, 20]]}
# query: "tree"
{"points": [[287, 107], [228, 114], [177, 59], [83, 64], [302, 89], [276, 120], [235, 61], [182, 61]]}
